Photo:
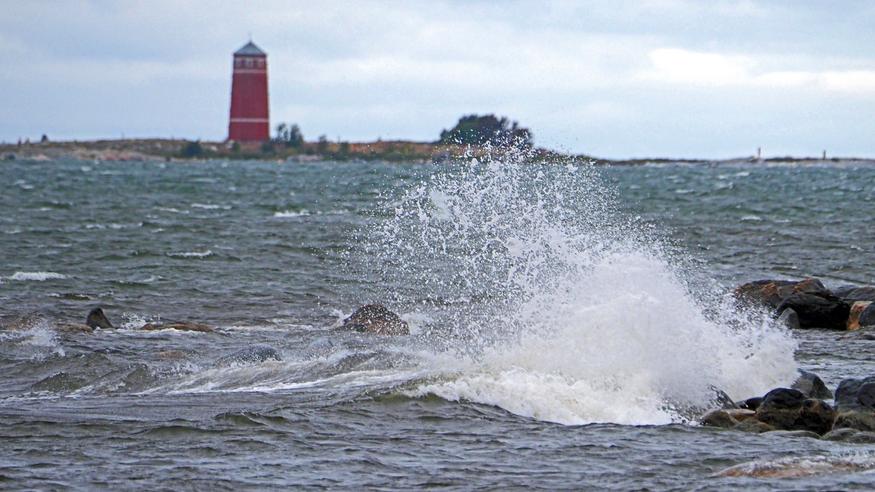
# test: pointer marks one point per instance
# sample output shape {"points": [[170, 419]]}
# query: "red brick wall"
{"points": [[250, 120]]}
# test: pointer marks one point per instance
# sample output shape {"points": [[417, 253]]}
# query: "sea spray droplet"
{"points": [[545, 301]]}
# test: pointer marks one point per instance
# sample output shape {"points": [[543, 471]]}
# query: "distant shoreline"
{"points": [[400, 151]]}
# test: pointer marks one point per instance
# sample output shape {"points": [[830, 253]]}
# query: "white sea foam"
{"points": [[191, 254], [291, 214], [210, 206], [562, 309], [36, 276]]}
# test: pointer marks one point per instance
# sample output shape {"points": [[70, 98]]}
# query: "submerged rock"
{"points": [[376, 319], [26, 322], [177, 325], [255, 354], [811, 386], [839, 433], [794, 433]]}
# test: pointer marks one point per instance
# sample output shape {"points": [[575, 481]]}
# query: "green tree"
{"points": [[322, 145], [478, 130], [192, 149], [289, 135]]}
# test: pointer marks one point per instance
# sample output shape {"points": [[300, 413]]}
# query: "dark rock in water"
{"points": [[251, 355], [718, 418], [26, 322], [768, 293], [867, 317], [862, 420], [751, 403], [771, 293], [788, 409], [789, 318], [816, 416], [820, 310], [376, 319], [740, 414], [74, 327], [839, 434], [851, 294], [794, 433], [172, 354], [753, 425], [856, 394], [722, 399], [862, 314], [781, 407], [178, 325], [811, 386], [59, 382], [96, 319]]}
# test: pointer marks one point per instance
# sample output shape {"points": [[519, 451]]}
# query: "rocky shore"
{"points": [[402, 151], [807, 303], [808, 407]]}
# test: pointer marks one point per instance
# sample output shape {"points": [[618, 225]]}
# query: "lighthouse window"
{"points": [[260, 63], [249, 62]]}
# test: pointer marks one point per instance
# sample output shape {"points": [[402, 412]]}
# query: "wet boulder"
{"points": [[718, 418], [816, 416], [753, 425], [817, 310], [376, 319], [851, 294], [856, 394], [725, 418], [255, 354], [811, 386], [751, 403], [789, 409], [780, 408], [862, 314], [861, 420], [97, 319], [771, 293]]}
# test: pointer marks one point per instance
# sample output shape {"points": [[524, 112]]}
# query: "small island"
{"points": [[473, 136]]}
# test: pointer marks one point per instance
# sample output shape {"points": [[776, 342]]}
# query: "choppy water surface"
{"points": [[567, 322]]}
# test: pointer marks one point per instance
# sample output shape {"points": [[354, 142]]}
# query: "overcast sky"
{"points": [[611, 78]]}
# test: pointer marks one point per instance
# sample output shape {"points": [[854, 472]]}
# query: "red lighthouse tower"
{"points": [[250, 121]]}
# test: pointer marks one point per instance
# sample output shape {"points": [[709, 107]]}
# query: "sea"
{"points": [[569, 323]]}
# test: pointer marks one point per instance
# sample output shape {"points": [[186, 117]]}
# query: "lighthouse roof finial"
{"points": [[250, 49]]}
